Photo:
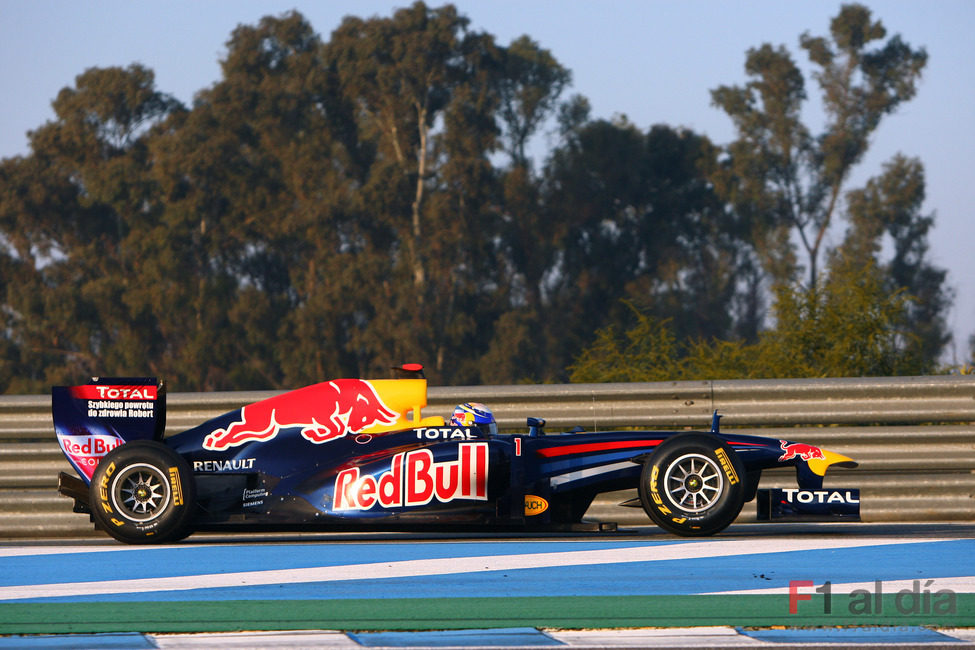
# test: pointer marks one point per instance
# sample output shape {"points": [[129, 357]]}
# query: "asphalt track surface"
{"points": [[780, 585]]}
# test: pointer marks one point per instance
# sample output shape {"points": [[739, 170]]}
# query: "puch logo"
{"points": [[726, 465], [415, 479], [534, 505]]}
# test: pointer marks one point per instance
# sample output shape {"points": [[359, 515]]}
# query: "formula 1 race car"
{"points": [[358, 454]]}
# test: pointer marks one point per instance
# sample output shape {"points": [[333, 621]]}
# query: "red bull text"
{"points": [[324, 412], [86, 451], [415, 479]]}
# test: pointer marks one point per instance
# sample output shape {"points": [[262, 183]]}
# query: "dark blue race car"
{"points": [[359, 454]]}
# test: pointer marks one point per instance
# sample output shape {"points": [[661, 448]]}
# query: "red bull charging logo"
{"points": [[324, 412], [799, 450]]}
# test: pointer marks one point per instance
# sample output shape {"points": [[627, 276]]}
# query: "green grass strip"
{"points": [[460, 613]]}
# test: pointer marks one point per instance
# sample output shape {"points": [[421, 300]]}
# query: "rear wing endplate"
{"points": [[92, 419]]}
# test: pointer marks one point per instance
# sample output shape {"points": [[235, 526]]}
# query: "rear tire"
{"points": [[693, 485], [142, 492]]}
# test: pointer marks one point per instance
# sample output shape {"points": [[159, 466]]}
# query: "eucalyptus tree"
{"points": [[422, 92], [260, 195], [787, 181], [531, 83], [633, 216], [791, 186], [74, 215], [886, 213]]}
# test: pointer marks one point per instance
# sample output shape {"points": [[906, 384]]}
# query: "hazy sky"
{"points": [[651, 60]]}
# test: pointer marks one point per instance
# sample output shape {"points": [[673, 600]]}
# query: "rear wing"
{"points": [[92, 419]]}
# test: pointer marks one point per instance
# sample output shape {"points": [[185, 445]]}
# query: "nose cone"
{"points": [[819, 466]]}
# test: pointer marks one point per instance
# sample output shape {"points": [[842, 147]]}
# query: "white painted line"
{"points": [[696, 637], [278, 640], [683, 637], [445, 566]]}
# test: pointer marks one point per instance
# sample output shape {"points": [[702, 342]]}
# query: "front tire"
{"points": [[142, 492], [693, 485]]}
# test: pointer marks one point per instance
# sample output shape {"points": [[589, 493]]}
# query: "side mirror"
{"points": [[536, 427]]}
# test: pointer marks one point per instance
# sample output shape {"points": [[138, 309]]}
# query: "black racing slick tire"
{"points": [[693, 485], [142, 492]]}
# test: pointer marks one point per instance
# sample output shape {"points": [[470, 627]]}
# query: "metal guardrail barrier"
{"points": [[913, 436]]}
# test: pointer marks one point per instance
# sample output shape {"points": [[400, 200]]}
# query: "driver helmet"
{"points": [[473, 414]]}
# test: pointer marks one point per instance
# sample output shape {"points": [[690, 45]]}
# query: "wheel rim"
{"points": [[694, 483], [140, 492]]}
